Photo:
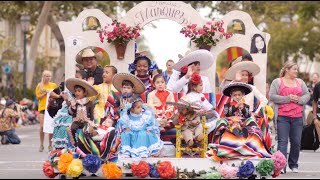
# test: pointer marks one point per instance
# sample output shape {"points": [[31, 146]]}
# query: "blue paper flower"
{"points": [[246, 170], [132, 67], [153, 171], [91, 163], [153, 66]]}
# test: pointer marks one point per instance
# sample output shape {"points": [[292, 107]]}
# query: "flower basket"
{"points": [[119, 36], [206, 47], [208, 35], [121, 50]]}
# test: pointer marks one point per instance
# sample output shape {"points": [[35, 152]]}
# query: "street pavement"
{"points": [[23, 161]]}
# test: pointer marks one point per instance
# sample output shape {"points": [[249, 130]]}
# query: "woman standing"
{"points": [[42, 90], [289, 95]]}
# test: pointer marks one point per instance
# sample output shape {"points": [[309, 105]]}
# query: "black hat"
{"points": [[228, 88]]}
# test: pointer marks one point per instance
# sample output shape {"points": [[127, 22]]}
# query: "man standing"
{"points": [[89, 61], [166, 74], [316, 107]]}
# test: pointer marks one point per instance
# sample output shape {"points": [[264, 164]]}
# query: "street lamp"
{"points": [[25, 22]]}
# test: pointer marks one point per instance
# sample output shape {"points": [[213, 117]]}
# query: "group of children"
{"points": [[139, 124]]}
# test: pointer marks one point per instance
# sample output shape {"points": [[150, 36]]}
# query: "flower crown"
{"points": [[195, 79]]}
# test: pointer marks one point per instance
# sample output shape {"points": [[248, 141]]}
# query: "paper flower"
{"points": [[75, 168], [246, 170], [140, 170], [265, 167], [48, 170], [111, 171], [91, 163], [228, 172], [166, 170], [153, 171], [211, 175], [279, 162], [64, 161]]}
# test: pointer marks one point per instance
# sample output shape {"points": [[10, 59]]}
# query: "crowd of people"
{"points": [[129, 115]]}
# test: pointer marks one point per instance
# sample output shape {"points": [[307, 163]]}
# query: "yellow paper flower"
{"points": [[75, 168], [111, 171], [270, 112], [64, 161]]}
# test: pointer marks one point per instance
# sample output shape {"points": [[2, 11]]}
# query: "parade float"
{"points": [[197, 162]]}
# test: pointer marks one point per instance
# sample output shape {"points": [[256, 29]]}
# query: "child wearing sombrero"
{"points": [[189, 119], [81, 108], [130, 88], [237, 112]]}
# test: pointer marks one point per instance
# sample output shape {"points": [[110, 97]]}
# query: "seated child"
{"points": [[157, 101], [192, 129], [195, 87], [237, 112], [139, 131], [81, 109], [130, 88]]}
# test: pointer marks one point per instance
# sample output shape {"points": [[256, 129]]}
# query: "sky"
{"points": [[166, 42]]}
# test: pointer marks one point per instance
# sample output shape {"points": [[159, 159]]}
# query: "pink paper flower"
{"points": [[227, 171]]}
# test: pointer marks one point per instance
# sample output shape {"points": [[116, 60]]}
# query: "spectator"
{"points": [[167, 73], [7, 131], [310, 86], [289, 94]]}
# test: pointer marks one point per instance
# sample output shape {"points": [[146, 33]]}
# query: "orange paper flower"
{"points": [[111, 171], [166, 170], [140, 170], [64, 161]]}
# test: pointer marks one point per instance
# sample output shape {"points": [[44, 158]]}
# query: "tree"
{"points": [[294, 28]]}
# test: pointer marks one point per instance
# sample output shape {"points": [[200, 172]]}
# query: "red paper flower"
{"points": [[140, 170], [184, 69], [166, 170], [203, 98], [48, 170], [195, 78]]}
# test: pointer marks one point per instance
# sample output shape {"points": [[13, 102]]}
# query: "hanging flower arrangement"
{"points": [[120, 34], [207, 35]]}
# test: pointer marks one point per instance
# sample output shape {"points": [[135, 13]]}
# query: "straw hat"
{"points": [[185, 102], [88, 52], [71, 82], [118, 79], [227, 89], [203, 56], [249, 66]]}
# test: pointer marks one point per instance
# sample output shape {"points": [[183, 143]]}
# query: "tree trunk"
{"points": [[43, 17], [57, 33]]}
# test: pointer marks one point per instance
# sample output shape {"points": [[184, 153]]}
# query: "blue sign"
{"points": [[7, 69]]}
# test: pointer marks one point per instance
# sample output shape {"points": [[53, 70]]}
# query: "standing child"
{"points": [[81, 109], [140, 136], [157, 101]]}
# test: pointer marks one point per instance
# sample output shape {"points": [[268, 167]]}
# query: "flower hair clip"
{"points": [[132, 67], [153, 66], [195, 79], [184, 69]]}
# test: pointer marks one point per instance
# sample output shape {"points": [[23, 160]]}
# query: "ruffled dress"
{"points": [[138, 143], [61, 121]]}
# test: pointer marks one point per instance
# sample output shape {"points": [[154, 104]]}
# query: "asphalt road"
{"points": [[23, 161]]}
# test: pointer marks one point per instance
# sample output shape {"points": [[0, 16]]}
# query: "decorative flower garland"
{"points": [[70, 165]]}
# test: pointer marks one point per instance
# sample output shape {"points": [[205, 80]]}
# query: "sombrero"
{"points": [[185, 102], [118, 79], [227, 89], [203, 56], [88, 52], [240, 66], [71, 82]]}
